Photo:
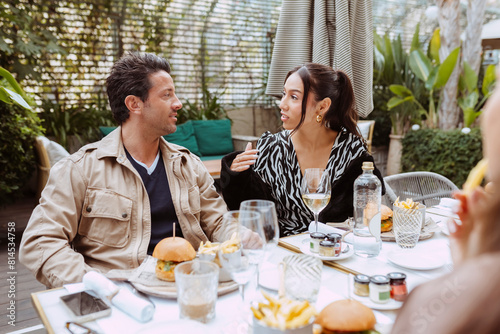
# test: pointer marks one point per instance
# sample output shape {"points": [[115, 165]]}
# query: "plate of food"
{"points": [[386, 228], [155, 276], [347, 251]]}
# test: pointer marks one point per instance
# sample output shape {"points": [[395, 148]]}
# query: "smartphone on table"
{"points": [[85, 307]]}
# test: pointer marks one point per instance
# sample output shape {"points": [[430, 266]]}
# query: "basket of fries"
{"points": [[283, 316], [208, 251]]}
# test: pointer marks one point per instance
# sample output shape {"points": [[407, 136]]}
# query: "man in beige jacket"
{"points": [[106, 206]]}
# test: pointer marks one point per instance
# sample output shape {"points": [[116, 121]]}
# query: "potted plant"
{"points": [[415, 90], [469, 95], [391, 66]]}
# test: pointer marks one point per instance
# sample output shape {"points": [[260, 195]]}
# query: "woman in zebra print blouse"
{"points": [[320, 131]]}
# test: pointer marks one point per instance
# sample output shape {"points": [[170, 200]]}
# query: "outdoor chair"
{"points": [[425, 187], [43, 165], [366, 128]]}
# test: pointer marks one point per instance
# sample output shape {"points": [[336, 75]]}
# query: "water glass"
{"points": [[302, 277], [407, 224], [197, 282]]}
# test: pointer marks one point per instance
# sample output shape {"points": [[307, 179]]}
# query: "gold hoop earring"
{"points": [[319, 118]]}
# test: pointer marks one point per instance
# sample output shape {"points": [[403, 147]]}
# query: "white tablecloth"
{"points": [[228, 316]]}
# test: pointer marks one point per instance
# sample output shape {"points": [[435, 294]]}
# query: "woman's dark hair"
{"points": [[323, 81], [130, 76]]}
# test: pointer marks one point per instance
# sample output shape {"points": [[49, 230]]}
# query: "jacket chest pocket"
{"points": [[194, 200], [106, 217]]}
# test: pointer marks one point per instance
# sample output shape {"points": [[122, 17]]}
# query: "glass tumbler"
{"points": [[197, 283], [302, 277], [407, 224]]}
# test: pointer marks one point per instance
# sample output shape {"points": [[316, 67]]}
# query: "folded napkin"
{"points": [[323, 228], [135, 306]]}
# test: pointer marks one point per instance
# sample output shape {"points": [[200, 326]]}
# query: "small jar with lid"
{"points": [[361, 285], [316, 237], [327, 248], [380, 289], [397, 282], [337, 239]]}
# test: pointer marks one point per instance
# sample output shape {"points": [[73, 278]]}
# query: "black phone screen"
{"points": [[82, 303]]}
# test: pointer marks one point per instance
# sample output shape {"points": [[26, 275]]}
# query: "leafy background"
{"points": [[449, 153]]}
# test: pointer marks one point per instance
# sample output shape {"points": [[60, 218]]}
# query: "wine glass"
{"points": [[243, 246], [267, 210], [315, 189]]}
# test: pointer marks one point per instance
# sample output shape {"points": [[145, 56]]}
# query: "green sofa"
{"points": [[208, 139]]}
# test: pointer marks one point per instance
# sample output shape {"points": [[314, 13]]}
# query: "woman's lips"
{"points": [[284, 117]]}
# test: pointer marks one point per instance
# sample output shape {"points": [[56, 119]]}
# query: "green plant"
{"points": [[449, 153], [391, 66], [18, 128], [80, 121], [468, 99], [209, 108], [24, 38], [431, 72]]}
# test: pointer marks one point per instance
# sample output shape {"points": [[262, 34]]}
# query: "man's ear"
{"points": [[134, 104]]}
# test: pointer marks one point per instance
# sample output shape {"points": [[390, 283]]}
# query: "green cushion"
{"points": [[212, 157], [184, 136], [213, 136], [106, 130]]}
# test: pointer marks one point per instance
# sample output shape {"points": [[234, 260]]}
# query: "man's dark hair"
{"points": [[130, 76]]}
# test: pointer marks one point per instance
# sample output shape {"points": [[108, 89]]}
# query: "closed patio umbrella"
{"points": [[338, 33]]}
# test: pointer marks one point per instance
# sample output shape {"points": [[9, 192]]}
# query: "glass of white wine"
{"points": [[316, 190]]}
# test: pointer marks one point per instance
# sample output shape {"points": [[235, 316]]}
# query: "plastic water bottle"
{"points": [[367, 217]]}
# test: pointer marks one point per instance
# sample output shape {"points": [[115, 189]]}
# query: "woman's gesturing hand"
{"points": [[244, 160]]}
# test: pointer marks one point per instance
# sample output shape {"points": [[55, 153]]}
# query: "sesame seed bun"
{"points": [[346, 316]]}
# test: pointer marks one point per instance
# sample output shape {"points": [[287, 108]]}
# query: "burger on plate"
{"points": [[169, 252], [346, 316], [386, 214]]}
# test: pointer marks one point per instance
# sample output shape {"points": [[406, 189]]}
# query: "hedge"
{"points": [[450, 153]]}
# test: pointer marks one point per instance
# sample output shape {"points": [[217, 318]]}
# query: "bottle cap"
{"points": [[363, 279], [367, 165], [379, 280]]}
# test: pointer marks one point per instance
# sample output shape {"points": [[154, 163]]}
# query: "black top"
{"points": [[276, 176], [160, 200]]}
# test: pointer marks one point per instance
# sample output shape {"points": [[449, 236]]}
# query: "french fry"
{"points": [[208, 248], [283, 313], [303, 318], [231, 245], [257, 313], [476, 176], [407, 204]]}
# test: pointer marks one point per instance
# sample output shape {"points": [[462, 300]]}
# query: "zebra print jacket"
{"points": [[276, 176]]}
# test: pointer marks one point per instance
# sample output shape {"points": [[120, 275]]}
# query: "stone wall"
{"points": [[254, 121]]}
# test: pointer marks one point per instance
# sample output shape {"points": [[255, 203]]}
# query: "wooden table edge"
{"points": [[331, 264], [39, 309]]}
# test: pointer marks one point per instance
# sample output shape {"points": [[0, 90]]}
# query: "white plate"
{"points": [[269, 278], [413, 259], [305, 248], [390, 305]]}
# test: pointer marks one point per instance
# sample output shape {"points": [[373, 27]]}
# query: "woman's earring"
{"points": [[319, 118]]}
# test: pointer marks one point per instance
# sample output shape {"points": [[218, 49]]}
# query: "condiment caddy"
{"points": [[383, 292]]}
